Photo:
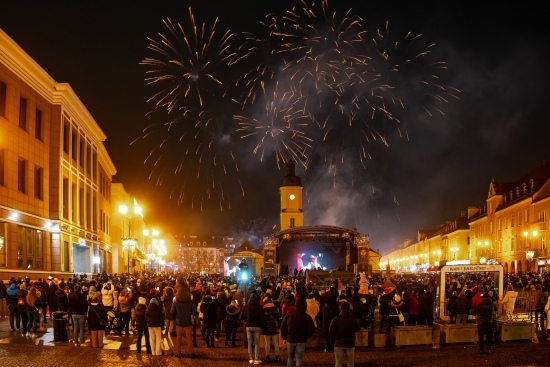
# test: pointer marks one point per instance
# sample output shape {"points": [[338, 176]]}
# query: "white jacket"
{"points": [[107, 296], [509, 301], [313, 308]]}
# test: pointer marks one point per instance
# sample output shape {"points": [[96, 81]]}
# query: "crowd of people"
{"points": [[181, 306]]}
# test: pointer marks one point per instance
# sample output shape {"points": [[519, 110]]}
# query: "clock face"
{"points": [[292, 197]]}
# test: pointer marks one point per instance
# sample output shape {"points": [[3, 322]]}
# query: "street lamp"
{"points": [[483, 248], [438, 254], [129, 243], [454, 250]]}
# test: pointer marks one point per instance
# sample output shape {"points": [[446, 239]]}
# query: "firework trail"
{"points": [[315, 86], [192, 147]]}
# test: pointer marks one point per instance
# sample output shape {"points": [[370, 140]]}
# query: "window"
{"points": [[3, 98], [542, 216], [543, 243], [3, 244], [23, 113], [38, 125], [512, 244], [38, 182], [22, 176], [29, 248], [65, 198], [2, 167], [66, 253], [292, 223], [82, 159], [74, 147], [66, 141]]}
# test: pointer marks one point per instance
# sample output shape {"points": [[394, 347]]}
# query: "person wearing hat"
{"points": [[394, 319], [223, 302], [154, 317], [297, 327], [141, 326], [342, 331], [508, 304], [484, 313], [97, 321]]}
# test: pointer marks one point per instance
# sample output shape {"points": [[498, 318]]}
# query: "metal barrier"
{"points": [[522, 309]]}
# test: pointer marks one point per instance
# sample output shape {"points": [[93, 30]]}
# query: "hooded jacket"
{"points": [[297, 326], [342, 329], [11, 294], [154, 315], [253, 314]]}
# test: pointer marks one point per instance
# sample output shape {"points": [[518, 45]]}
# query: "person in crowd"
{"points": [[62, 299], [484, 314], [296, 328], [289, 302], [13, 308], [254, 319], [154, 317], [33, 306], [223, 302], [22, 308], [183, 311], [97, 321], [4, 312], [232, 321], [107, 296], [396, 304], [43, 296], [52, 289], [168, 299], [452, 307], [209, 308], [342, 331], [78, 307], [462, 308], [330, 310], [384, 310], [426, 302], [313, 307], [141, 326], [124, 303], [271, 328], [508, 303]]}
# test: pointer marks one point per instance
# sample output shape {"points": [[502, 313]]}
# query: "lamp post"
{"points": [[454, 250], [438, 254], [129, 243], [483, 246], [529, 252]]}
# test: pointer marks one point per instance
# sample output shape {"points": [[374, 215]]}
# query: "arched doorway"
{"points": [[513, 266], [520, 266]]}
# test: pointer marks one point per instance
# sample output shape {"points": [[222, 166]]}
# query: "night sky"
{"points": [[386, 151]]}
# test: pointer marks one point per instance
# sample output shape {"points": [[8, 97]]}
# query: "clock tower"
{"points": [[292, 214]]}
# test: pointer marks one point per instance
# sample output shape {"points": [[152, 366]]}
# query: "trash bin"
{"points": [[60, 319]]}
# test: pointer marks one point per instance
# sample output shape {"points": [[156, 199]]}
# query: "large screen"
{"points": [[312, 256]]}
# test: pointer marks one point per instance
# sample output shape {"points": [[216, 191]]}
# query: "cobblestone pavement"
{"points": [[43, 351]]}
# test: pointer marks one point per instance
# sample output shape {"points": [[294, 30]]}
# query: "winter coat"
{"points": [[452, 306], [11, 294], [462, 304], [297, 326], [342, 329], [183, 312], [209, 309], [288, 306], [153, 314], [124, 302], [313, 309], [223, 302], [3, 289], [484, 311], [233, 316], [168, 300], [509, 301], [22, 293], [330, 311], [107, 295], [62, 300], [78, 304], [141, 321], [52, 297], [95, 313], [272, 316], [253, 315]]}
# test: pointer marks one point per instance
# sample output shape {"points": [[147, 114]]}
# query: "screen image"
{"points": [[312, 256]]}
